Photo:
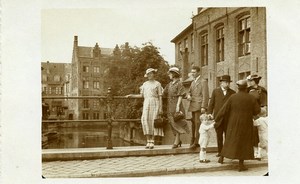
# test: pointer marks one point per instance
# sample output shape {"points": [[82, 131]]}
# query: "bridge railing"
{"points": [[109, 98]]}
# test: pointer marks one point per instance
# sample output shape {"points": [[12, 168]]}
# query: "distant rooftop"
{"points": [[88, 51]]}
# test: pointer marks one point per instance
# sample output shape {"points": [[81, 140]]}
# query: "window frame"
{"points": [[185, 43], [86, 104], [96, 69], [179, 49], [192, 42], [96, 104], [97, 86], [85, 83], [67, 88], [97, 115], [204, 48], [220, 54], [85, 69], [244, 35], [85, 115]]}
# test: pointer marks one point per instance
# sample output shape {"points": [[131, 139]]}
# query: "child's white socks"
{"points": [[202, 155]]}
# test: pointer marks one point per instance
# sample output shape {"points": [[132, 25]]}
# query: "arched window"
{"points": [[244, 39]]}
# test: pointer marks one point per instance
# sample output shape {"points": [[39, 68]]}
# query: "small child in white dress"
{"points": [[206, 124], [262, 126]]}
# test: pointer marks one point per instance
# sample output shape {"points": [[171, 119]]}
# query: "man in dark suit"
{"points": [[218, 98], [198, 97], [238, 113]]}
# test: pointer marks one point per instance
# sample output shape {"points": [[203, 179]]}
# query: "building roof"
{"points": [[202, 10], [107, 51], [88, 51], [183, 33]]}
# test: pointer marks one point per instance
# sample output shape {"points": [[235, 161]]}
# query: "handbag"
{"points": [[178, 116], [159, 122]]}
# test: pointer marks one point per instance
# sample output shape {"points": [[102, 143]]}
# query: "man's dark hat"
{"points": [[225, 78]]}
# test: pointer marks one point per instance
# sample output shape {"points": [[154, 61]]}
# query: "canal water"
{"points": [[60, 136], [82, 137]]}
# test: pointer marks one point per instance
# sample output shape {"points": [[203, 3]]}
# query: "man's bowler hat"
{"points": [[225, 78]]}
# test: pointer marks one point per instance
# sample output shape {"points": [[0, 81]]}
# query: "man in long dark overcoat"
{"points": [[218, 98], [238, 113]]}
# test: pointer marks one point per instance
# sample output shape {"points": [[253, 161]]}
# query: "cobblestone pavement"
{"points": [[257, 171], [147, 166]]}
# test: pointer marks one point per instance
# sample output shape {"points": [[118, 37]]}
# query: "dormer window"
{"points": [[96, 50]]}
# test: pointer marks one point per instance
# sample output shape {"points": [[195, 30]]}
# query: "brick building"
{"points": [[88, 75], [224, 41], [54, 83], [89, 68]]}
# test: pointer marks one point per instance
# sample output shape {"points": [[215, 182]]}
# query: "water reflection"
{"points": [[82, 137]]}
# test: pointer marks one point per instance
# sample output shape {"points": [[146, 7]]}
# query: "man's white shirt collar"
{"points": [[224, 90]]}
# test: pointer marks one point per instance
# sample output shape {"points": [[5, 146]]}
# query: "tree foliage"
{"points": [[127, 77]]}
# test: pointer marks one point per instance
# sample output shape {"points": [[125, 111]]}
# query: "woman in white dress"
{"points": [[151, 91]]}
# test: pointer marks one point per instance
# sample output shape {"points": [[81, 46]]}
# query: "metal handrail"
{"points": [[94, 120], [88, 97], [110, 119]]}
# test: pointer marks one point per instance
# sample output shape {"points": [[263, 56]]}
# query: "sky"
{"points": [[111, 26]]}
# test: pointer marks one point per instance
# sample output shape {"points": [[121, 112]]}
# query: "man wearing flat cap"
{"points": [[218, 98], [238, 113]]}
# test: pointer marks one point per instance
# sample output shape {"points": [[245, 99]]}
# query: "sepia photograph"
{"points": [[138, 108], [134, 91]]}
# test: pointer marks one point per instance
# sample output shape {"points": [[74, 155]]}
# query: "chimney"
{"points": [[75, 40]]}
